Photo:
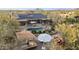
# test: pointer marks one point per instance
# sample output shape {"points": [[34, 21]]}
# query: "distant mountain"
{"points": [[77, 8], [45, 8], [59, 8], [39, 8]]}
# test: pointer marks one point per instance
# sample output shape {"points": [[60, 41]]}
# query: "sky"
{"points": [[36, 8], [44, 8], [39, 3]]}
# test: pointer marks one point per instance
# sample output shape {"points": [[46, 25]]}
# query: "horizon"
{"points": [[38, 8]]}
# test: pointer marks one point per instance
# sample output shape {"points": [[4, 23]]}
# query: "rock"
{"points": [[27, 39], [26, 35]]}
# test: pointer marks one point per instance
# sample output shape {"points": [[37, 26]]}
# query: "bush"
{"points": [[70, 35], [8, 27]]}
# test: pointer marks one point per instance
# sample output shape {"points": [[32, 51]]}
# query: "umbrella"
{"points": [[44, 37]]}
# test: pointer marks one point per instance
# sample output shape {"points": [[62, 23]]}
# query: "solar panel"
{"points": [[31, 16]]}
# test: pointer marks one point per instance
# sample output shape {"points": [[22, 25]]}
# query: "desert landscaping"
{"points": [[20, 29]]}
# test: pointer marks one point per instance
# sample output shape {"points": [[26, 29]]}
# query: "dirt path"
{"points": [[38, 47]]}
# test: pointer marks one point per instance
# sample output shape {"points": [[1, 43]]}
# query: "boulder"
{"points": [[26, 37]]}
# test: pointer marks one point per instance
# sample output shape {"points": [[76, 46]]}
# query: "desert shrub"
{"points": [[8, 27], [71, 20], [69, 34]]}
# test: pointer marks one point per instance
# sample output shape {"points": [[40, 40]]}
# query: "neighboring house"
{"points": [[34, 21]]}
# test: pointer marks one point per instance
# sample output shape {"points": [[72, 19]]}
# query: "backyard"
{"points": [[19, 30]]}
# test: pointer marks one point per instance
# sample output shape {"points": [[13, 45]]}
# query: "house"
{"points": [[34, 21], [38, 18]]}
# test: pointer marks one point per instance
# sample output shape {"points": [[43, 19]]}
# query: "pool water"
{"points": [[35, 28]]}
